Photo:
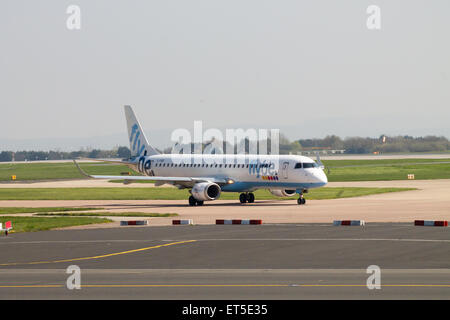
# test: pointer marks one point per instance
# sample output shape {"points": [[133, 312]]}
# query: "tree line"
{"points": [[382, 144], [350, 145], [120, 152]]}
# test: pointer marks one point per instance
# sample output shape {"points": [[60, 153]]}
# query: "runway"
{"points": [[298, 261]]}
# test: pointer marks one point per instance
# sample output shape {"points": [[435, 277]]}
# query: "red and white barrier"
{"points": [[134, 223], [186, 221], [431, 223], [238, 221], [349, 223], [8, 226]]}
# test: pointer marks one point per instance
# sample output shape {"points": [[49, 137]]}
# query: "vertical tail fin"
{"points": [[139, 145]]}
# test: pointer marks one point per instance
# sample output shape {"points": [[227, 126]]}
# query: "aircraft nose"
{"points": [[321, 177]]}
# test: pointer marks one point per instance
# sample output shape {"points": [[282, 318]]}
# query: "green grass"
{"points": [[386, 170], [64, 170], [382, 162], [12, 210], [110, 214], [27, 224], [165, 193]]}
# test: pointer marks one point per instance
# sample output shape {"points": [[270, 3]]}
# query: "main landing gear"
{"points": [[194, 202], [300, 199], [247, 197]]}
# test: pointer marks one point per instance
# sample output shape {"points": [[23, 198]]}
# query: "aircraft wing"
{"points": [[108, 160], [192, 180]]}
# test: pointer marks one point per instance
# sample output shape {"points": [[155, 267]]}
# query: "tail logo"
{"points": [[135, 142]]}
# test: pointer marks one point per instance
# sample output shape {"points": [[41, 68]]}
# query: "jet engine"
{"points": [[206, 191], [282, 193]]}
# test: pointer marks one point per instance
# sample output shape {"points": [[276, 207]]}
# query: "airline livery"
{"points": [[207, 175]]}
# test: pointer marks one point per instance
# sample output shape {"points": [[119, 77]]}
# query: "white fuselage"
{"points": [[247, 172]]}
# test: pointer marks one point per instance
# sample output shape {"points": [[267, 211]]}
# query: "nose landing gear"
{"points": [[300, 199]]}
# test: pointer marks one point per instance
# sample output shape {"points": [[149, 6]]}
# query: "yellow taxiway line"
{"points": [[100, 256]]}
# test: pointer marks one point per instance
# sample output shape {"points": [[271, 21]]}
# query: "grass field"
{"points": [[110, 214], [13, 210], [167, 193], [396, 169], [64, 170], [27, 224], [340, 170]]}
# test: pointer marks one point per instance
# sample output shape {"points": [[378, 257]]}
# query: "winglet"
{"points": [[81, 170], [321, 166]]}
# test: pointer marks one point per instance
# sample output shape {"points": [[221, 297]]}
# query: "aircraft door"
{"points": [[285, 169]]}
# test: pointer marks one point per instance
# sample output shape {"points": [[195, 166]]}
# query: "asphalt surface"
{"points": [[291, 261]]}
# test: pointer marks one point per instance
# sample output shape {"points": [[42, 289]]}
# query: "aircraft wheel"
{"points": [[301, 200], [243, 198], [251, 198], [199, 203], [192, 201]]}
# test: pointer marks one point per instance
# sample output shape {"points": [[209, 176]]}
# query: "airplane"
{"points": [[208, 175]]}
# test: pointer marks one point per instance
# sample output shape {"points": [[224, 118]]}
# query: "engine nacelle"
{"points": [[282, 193], [206, 191]]}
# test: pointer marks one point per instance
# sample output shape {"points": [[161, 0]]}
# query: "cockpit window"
{"points": [[298, 165], [310, 165]]}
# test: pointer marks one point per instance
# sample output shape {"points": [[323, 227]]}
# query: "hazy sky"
{"points": [[310, 68]]}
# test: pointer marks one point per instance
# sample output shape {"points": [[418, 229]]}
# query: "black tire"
{"points": [[303, 200], [199, 203], [243, 198], [299, 201], [251, 198], [192, 201]]}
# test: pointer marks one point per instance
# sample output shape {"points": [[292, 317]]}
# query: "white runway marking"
{"points": [[252, 239]]}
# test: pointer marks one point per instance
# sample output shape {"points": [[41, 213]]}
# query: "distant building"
{"points": [[320, 150]]}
